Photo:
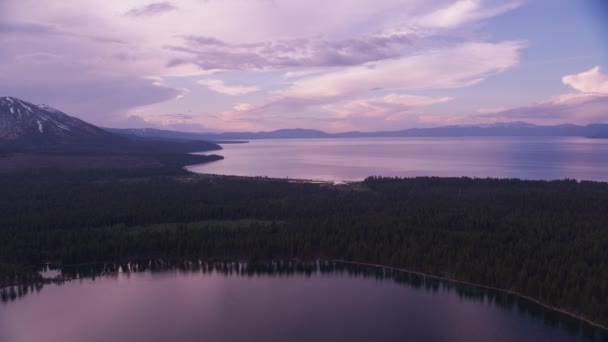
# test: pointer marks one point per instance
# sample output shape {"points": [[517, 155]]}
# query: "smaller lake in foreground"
{"points": [[354, 159], [316, 301]]}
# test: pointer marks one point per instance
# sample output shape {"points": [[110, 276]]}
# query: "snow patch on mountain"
{"points": [[29, 109], [49, 109]]}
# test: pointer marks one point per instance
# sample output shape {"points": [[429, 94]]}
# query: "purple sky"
{"points": [[341, 65]]}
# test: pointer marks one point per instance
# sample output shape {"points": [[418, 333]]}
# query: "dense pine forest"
{"points": [[546, 240]]}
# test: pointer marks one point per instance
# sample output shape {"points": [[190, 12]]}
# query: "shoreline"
{"points": [[349, 182], [353, 182], [463, 282], [283, 179], [357, 263]]}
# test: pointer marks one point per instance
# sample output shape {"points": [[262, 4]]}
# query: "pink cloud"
{"points": [[452, 67], [591, 81]]}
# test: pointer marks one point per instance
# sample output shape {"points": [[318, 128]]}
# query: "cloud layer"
{"points": [[210, 53], [233, 64]]}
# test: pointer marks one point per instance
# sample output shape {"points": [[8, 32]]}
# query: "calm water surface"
{"points": [[335, 304], [355, 159]]}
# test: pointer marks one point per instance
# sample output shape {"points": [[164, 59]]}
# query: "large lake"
{"points": [[355, 159], [237, 303]]}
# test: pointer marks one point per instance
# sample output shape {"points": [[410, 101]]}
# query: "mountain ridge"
{"points": [[517, 128]]}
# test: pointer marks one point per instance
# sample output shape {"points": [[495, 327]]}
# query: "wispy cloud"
{"points": [[219, 86], [462, 12], [153, 9]]}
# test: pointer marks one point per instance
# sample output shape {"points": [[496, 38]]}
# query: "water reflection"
{"points": [[319, 269]]}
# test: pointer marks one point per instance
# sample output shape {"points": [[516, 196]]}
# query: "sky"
{"points": [[340, 65]]}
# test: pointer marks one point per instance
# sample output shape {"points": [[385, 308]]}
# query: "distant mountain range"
{"points": [[26, 126], [498, 129]]}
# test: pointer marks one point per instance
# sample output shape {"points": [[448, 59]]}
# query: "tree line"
{"points": [[546, 240]]}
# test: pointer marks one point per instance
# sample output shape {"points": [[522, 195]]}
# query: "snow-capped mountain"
{"points": [[26, 127], [25, 123]]}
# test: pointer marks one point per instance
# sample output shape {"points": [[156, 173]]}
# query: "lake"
{"points": [[316, 301], [357, 158]]}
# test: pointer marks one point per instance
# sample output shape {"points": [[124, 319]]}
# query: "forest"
{"points": [[544, 239]]}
